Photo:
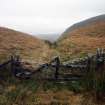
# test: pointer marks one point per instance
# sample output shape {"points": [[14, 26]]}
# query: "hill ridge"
{"points": [[83, 23], [83, 38], [28, 46]]}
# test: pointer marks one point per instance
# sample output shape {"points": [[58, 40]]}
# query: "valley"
{"points": [[77, 42]]}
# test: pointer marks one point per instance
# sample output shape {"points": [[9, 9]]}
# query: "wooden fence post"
{"points": [[15, 64], [57, 60], [12, 64], [99, 74], [88, 77]]}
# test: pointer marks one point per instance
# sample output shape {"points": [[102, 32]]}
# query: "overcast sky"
{"points": [[47, 16]]}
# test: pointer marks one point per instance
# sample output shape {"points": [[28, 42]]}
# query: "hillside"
{"points": [[83, 37], [29, 47]]}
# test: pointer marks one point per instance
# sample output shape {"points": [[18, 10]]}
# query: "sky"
{"points": [[41, 17]]}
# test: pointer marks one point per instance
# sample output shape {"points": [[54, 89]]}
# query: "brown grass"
{"points": [[83, 40], [29, 47]]}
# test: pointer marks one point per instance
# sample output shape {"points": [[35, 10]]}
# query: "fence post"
{"points": [[12, 64], [57, 60], [15, 63], [99, 74], [88, 64], [89, 72]]}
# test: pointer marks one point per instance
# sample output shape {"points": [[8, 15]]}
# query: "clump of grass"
{"points": [[12, 95], [56, 86], [49, 86], [53, 85], [30, 84], [74, 86], [3, 100]]}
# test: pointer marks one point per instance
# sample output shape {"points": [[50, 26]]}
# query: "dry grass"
{"points": [[29, 47], [83, 40], [35, 51]]}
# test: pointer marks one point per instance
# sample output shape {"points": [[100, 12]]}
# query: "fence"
{"points": [[73, 70]]}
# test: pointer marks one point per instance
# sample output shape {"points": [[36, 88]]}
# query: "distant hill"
{"points": [[83, 37], [84, 23], [29, 47], [50, 37]]}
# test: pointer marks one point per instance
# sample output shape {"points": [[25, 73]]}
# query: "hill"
{"points": [[29, 47], [83, 37], [50, 37]]}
